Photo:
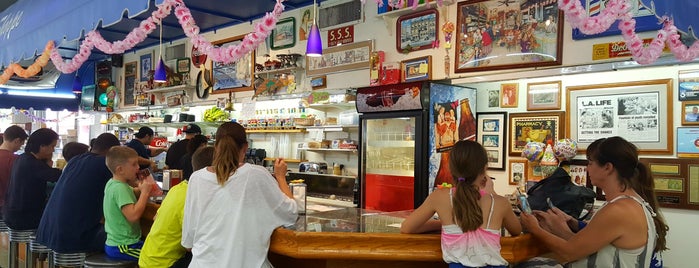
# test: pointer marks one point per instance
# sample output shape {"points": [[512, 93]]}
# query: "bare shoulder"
{"points": [[502, 202]]}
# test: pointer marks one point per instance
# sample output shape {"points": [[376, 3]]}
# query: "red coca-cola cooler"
{"points": [[397, 135]]}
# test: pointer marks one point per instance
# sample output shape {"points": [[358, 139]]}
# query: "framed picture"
{"points": [[497, 34], [417, 31], [674, 180], [690, 113], [319, 82], [129, 89], [544, 96], [638, 111], [182, 65], [146, 66], [493, 98], [509, 95], [688, 142], [284, 34], [688, 85], [236, 76], [539, 127], [306, 23], [417, 69], [491, 130], [518, 171], [340, 59], [130, 68], [645, 19]]}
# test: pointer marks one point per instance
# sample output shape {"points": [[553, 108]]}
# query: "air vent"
{"points": [[175, 52], [340, 13]]}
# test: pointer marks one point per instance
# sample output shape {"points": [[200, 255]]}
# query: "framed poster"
{"points": [[182, 65], [146, 66], [417, 31], [509, 95], [688, 85], [340, 59], [688, 142], [639, 111], [491, 130], [645, 19], [544, 96], [417, 69], [129, 89], [236, 76], [690, 113], [538, 127], [284, 34], [518, 171], [497, 34], [130, 68]]}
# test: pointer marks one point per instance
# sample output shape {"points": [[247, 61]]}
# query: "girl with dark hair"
{"points": [[625, 231], [232, 208], [470, 214]]}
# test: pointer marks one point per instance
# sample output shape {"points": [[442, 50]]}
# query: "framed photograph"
{"points": [[518, 171], [130, 68], [491, 130], [236, 76], [688, 85], [146, 66], [638, 111], [128, 96], [183, 65], [544, 96], [417, 69], [645, 19], [319, 82], [539, 127], [688, 142], [340, 59], [675, 181], [497, 34], [284, 34], [690, 113], [509, 95], [417, 31], [493, 98]]}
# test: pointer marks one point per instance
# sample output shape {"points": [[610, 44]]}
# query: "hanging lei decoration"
{"points": [[32, 70]]}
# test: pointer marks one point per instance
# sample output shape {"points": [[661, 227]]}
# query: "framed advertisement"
{"points": [[284, 34], [688, 85], [146, 66], [645, 19], [638, 111], [417, 31], [518, 171], [417, 69], [690, 113], [491, 130], [340, 59], [497, 34], [538, 127], [236, 76], [544, 96], [688, 142]]}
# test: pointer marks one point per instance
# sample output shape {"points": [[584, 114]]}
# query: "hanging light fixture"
{"points": [[160, 73], [314, 47], [77, 84]]}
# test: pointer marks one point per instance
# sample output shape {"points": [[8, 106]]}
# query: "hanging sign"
{"points": [[342, 35]]}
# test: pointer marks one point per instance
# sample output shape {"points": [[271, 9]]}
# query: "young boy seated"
{"points": [[122, 210]]}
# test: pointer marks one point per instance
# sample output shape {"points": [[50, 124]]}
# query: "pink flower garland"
{"points": [[225, 54]]}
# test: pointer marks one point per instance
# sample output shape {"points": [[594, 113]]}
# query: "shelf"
{"points": [[276, 131], [329, 150], [171, 89], [391, 172], [337, 106], [288, 160], [280, 70], [329, 128], [392, 144], [320, 175]]}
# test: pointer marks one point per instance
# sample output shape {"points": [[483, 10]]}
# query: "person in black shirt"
{"points": [[179, 148], [194, 143], [144, 137]]}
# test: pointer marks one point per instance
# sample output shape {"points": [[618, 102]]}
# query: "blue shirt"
{"points": [[691, 117], [139, 147]]}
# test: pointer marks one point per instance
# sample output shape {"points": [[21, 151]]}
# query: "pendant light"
{"points": [[314, 47], [77, 84], [160, 73]]}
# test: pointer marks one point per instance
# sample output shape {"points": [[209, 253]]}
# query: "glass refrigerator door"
{"points": [[389, 163]]}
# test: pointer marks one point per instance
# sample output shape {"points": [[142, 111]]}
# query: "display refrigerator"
{"points": [[397, 134]]}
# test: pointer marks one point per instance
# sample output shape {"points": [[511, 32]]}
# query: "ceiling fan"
{"points": [[506, 2]]}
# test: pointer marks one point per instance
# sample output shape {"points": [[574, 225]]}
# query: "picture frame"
{"points": [[319, 82], [183, 65], [417, 69], [688, 85], [639, 111], [130, 68], [146, 65], [340, 59], [524, 38], [690, 113], [645, 19], [544, 96], [517, 171], [128, 94], [417, 31], [493, 98], [236, 76], [509, 95], [490, 132], [534, 126], [674, 181], [688, 142], [284, 34], [306, 23]]}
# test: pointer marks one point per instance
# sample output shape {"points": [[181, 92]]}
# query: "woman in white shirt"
{"points": [[232, 208]]}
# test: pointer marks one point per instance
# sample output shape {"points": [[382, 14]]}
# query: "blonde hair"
{"points": [[119, 155], [230, 139]]}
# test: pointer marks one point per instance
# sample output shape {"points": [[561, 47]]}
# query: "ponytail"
{"points": [[226, 158], [467, 162], [646, 189], [467, 210]]}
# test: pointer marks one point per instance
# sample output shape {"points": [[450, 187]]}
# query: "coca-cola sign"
{"points": [[159, 142]]}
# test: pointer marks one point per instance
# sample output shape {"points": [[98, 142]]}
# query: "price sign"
{"points": [[342, 35]]}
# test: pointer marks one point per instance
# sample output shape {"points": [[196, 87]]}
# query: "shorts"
{"points": [[124, 252]]}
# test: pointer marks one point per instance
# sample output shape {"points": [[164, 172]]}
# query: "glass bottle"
{"points": [[467, 124], [443, 173]]}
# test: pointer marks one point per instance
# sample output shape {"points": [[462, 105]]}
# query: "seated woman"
{"points": [[470, 214]]}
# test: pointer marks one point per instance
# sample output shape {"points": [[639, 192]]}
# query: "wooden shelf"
{"points": [[288, 160], [171, 89], [329, 127], [329, 150], [320, 175]]}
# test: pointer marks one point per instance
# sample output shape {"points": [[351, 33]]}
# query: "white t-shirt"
{"points": [[231, 225]]}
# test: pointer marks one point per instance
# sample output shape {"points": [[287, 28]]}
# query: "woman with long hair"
{"points": [[232, 207]]}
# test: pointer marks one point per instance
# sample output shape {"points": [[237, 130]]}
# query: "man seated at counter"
{"points": [[80, 189], [14, 138], [162, 246], [470, 214], [179, 148], [145, 137]]}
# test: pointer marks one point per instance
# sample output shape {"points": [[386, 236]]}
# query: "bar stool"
{"points": [[36, 250], [101, 260], [68, 259], [16, 237]]}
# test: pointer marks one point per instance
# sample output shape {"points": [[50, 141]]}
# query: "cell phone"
{"points": [[523, 203], [548, 201]]}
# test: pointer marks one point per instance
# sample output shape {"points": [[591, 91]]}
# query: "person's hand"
{"points": [[145, 186], [529, 222], [280, 167], [153, 166], [555, 221]]}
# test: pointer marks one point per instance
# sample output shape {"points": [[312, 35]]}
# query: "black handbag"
{"points": [[564, 194]]}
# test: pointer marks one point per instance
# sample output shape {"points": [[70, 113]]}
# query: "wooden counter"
{"points": [[356, 238]]}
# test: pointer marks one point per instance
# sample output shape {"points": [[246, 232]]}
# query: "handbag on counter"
{"points": [[564, 194]]}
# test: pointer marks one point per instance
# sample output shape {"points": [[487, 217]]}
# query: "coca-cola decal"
{"points": [[398, 97]]}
